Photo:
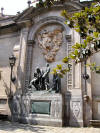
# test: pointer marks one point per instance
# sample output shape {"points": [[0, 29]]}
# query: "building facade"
{"points": [[28, 36]]}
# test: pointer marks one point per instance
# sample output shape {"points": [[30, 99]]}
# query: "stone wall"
{"points": [[7, 45], [96, 88]]}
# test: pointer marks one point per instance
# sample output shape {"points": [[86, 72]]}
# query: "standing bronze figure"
{"points": [[56, 83]]}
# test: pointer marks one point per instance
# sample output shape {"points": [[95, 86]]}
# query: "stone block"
{"points": [[53, 118]]}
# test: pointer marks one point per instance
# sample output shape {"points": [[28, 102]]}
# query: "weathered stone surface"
{"points": [[40, 36], [53, 118]]}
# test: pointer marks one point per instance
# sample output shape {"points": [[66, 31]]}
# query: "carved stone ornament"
{"points": [[50, 42], [76, 108]]}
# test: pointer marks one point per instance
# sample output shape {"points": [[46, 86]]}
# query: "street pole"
{"points": [[11, 78]]}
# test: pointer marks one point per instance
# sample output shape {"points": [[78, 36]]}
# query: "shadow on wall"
{"points": [[16, 108], [14, 98], [10, 98]]}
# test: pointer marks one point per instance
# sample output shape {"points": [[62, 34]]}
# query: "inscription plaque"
{"points": [[40, 107]]}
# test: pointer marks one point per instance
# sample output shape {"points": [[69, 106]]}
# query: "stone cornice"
{"points": [[45, 21], [32, 12]]}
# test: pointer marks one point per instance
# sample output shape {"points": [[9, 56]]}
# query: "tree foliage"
{"points": [[47, 3], [87, 24]]}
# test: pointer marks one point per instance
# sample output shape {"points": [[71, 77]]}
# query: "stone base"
{"points": [[76, 124], [50, 117], [41, 121], [95, 123], [74, 110]]}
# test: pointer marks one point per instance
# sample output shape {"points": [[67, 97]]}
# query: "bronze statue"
{"points": [[56, 83], [35, 82], [41, 79], [45, 77]]}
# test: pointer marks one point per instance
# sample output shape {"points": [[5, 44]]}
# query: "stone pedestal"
{"points": [[42, 108]]}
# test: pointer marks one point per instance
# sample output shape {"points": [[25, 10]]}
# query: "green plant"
{"points": [[87, 24]]}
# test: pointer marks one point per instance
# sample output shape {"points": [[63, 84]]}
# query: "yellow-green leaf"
{"points": [[65, 60]]}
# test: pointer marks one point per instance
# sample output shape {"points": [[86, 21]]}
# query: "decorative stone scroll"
{"points": [[50, 42], [69, 75]]}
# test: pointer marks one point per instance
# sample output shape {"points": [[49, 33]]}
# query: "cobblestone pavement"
{"points": [[8, 127]]}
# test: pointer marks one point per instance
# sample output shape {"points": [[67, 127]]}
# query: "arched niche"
{"points": [[45, 21], [35, 56]]}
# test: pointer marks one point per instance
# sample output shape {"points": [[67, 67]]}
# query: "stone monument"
{"points": [[42, 104]]}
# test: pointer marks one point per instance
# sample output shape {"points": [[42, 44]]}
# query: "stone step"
{"points": [[95, 123]]}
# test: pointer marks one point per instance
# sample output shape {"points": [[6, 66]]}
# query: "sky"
{"points": [[11, 7]]}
